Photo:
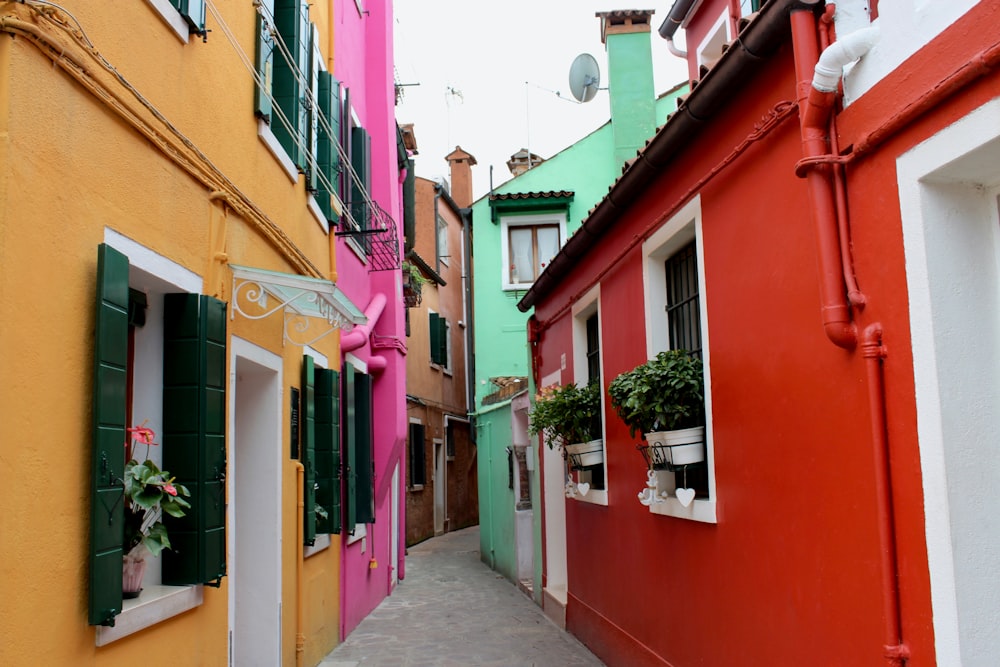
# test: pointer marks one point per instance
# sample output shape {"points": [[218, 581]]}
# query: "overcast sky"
{"points": [[485, 76]]}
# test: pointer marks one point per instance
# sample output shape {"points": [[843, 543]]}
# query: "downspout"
{"points": [[358, 336], [678, 13], [815, 110], [300, 637], [828, 198], [896, 651]]}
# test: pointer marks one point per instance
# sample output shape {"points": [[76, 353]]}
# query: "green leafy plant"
{"points": [[149, 493], [567, 415], [664, 394]]}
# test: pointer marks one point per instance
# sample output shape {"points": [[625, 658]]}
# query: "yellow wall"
{"points": [[69, 168]]}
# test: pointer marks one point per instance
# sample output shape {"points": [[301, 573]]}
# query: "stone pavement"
{"points": [[453, 611]]}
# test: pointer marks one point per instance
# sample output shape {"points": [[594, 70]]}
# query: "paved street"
{"points": [[452, 610]]}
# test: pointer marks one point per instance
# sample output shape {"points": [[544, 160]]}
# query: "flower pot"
{"points": [[133, 570], [669, 449], [586, 454]]}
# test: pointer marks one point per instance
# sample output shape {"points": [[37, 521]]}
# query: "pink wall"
{"points": [[363, 61]]}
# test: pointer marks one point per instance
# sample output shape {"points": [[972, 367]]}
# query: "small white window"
{"points": [[529, 243]]}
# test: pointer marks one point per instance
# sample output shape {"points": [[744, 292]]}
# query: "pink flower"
{"points": [[142, 434], [169, 488]]}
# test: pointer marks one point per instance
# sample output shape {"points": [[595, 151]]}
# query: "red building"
{"points": [[831, 224]]}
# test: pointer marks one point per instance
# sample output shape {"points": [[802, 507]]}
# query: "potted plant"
{"points": [[569, 417], [149, 493], [664, 400], [413, 282]]}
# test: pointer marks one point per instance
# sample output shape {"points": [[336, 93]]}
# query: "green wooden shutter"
{"points": [[350, 447], [193, 12], [363, 457], [435, 336], [418, 456], [307, 452], [328, 449], [291, 21], [315, 58], [328, 161], [345, 142], [108, 437], [361, 160], [265, 62], [194, 435], [439, 339]]}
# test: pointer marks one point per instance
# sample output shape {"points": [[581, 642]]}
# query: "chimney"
{"points": [[626, 37], [461, 176], [522, 161]]}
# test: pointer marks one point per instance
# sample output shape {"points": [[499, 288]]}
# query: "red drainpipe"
{"points": [[828, 195], [815, 108]]}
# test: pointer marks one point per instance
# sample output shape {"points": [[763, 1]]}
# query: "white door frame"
{"points": [[254, 492], [440, 486]]}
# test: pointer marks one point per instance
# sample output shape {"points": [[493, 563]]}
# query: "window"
{"points": [[714, 44], [319, 450], [417, 454], [673, 283], [442, 242], [299, 101], [173, 375], [357, 439], [587, 369], [748, 7], [529, 244], [184, 17], [440, 340]]}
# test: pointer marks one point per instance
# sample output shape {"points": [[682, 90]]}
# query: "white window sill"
{"points": [[356, 249], [318, 216], [172, 18], [322, 543], [360, 533], [417, 487], [594, 497], [156, 604], [699, 510], [277, 150], [519, 287]]}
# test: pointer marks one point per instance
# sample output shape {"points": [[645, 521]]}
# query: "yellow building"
{"points": [[152, 229]]}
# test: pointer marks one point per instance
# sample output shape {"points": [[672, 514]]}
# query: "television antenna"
{"points": [[584, 77]]}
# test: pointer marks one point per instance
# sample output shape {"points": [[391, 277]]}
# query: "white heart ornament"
{"points": [[685, 496], [583, 487]]}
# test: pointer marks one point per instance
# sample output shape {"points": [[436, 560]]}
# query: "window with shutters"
{"points": [[417, 454], [586, 369], [529, 242], [160, 358], [319, 451], [356, 436], [440, 340], [676, 319], [442, 242], [184, 17]]}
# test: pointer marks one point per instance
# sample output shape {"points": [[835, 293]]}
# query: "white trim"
{"points": [[275, 148], [240, 348], [172, 18], [157, 603], [317, 214], [510, 220], [721, 26], [590, 304], [682, 228], [141, 257], [947, 209]]}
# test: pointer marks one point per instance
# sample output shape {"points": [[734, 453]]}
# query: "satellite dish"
{"points": [[584, 77]]}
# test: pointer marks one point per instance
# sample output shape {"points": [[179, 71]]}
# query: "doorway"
{"points": [[254, 541], [440, 487]]}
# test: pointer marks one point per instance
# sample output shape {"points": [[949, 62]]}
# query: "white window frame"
{"points": [[441, 239], [149, 269], [716, 38], [418, 487], [172, 18], [682, 228], [508, 221], [588, 305]]}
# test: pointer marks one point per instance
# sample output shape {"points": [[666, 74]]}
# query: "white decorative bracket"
{"points": [[258, 294]]}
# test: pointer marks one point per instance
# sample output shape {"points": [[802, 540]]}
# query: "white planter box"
{"points": [[678, 448]]}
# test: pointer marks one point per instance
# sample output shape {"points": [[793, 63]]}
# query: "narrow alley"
{"points": [[453, 610]]}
